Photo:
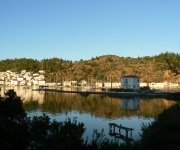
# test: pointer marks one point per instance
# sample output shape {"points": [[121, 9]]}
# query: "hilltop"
{"points": [[102, 68]]}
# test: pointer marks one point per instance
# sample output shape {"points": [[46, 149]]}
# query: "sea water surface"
{"points": [[95, 111]]}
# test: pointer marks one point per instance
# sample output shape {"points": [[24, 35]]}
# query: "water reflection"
{"points": [[95, 111], [130, 103]]}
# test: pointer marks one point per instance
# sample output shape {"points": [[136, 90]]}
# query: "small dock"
{"points": [[112, 132]]}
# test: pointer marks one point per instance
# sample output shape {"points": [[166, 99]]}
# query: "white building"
{"points": [[41, 71], [35, 82], [41, 77], [107, 84], [143, 84], [28, 77], [116, 85], [14, 82], [156, 85], [67, 83], [23, 82], [99, 84], [130, 82], [83, 83], [23, 71], [173, 85], [42, 82], [20, 78]]}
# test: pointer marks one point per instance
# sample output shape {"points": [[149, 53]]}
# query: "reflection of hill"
{"points": [[102, 106]]}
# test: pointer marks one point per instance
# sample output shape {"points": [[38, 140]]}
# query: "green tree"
{"points": [[172, 62]]}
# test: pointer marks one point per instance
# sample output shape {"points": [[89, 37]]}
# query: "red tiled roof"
{"points": [[130, 76]]}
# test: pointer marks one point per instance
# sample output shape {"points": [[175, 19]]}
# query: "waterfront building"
{"points": [[14, 82], [42, 82], [99, 84], [67, 83], [156, 85], [130, 82], [143, 84]]}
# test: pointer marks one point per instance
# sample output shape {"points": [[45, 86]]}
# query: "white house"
{"points": [[28, 77], [116, 84], [173, 85], [20, 78], [107, 84], [23, 71], [14, 82], [35, 82], [156, 85], [42, 82], [83, 83], [130, 82], [41, 77], [41, 71], [99, 84], [143, 84], [23, 82], [74, 83], [67, 83]]}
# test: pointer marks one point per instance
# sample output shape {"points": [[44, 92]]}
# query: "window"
{"points": [[137, 80]]}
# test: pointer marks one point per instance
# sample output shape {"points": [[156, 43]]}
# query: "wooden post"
{"points": [[126, 133]]}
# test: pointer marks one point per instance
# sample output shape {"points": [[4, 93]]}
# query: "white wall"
{"points": [[130, 83]]}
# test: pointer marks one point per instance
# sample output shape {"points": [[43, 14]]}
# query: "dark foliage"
{"points": [[164, 132]]}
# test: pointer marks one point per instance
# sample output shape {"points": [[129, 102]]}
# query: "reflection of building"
{"points": [[132, 103]]}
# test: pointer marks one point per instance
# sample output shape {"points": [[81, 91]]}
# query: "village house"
{"points": [[23, 71], [67, 83], [41, 71], [23, 82], [130, 82], [83, 83], [156, 85], [35, 82], [143, 84], [41, 77], [173, 85], [74, 83], [42, 82], [14, 82]]}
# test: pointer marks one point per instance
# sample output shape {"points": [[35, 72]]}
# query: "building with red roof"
{"points": [[130, 82]]}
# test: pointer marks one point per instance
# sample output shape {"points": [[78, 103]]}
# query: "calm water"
{"points": [[95, 111]]}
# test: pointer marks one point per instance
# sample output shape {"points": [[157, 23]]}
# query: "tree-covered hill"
{"points": [[103, 68]]}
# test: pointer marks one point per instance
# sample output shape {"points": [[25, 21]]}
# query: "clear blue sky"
{"points": [[82, 29]]}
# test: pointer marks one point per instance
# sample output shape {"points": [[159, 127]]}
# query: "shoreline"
{"points": [[175, 95]]}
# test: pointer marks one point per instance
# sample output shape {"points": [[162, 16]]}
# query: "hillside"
{"points": [[103, 68]]}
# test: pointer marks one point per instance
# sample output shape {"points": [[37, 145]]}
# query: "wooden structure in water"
{"points": [[112, 132]]}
